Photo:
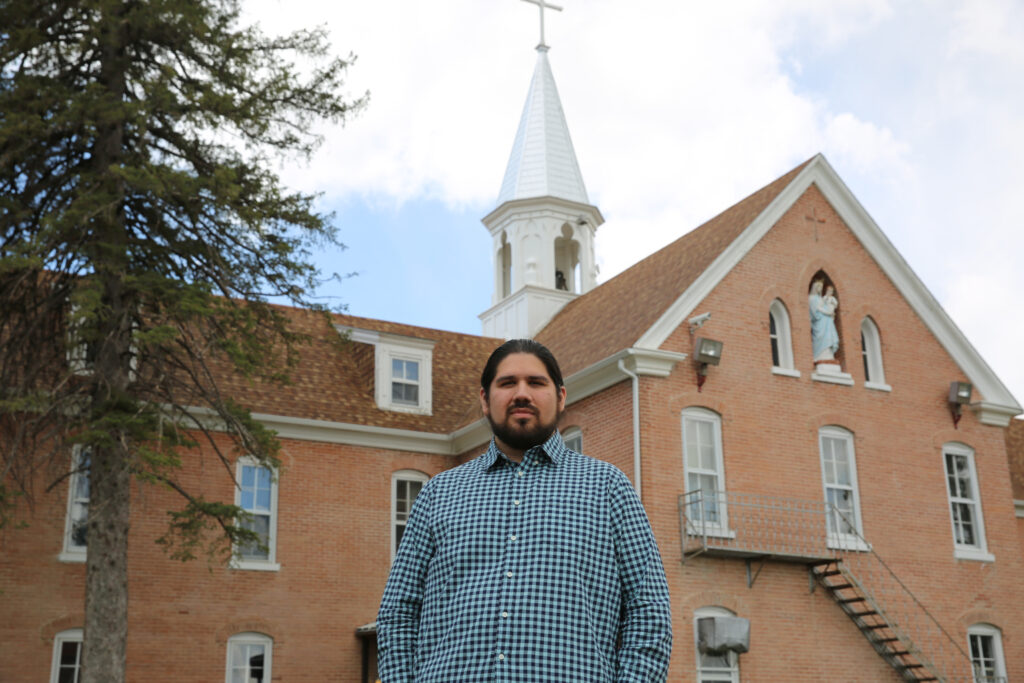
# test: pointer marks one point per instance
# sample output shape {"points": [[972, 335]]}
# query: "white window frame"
{"points": [[999, 662], [694, 415], [964, 551], [834, 538], [393, 346], [783, 339], [71, 551], [251, 638], [573, 439], [268, 563], [396, 521], [871, 355], [714, 674], [71, 635]]}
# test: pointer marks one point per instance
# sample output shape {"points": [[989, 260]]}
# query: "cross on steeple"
{"points": [[543, 4]]}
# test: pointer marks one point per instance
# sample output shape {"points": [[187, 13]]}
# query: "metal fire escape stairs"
{"points": [[885, 636], [758, 528]]}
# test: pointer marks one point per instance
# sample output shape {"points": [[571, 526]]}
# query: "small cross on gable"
{"points": [[543, 4]]}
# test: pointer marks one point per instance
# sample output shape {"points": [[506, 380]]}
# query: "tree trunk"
{"points": [[106, 577]]}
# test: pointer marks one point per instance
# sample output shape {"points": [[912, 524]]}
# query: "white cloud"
{"points": [[678, 110]]}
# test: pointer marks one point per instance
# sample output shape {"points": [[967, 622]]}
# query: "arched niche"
{"points": [[568, 272]]}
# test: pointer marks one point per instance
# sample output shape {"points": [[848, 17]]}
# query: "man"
{"points": [[532, 563]]}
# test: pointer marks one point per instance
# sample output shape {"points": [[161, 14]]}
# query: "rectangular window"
{"points": [[249, 658], [704, 468], [987, 654], [78, 507], [839, 477], [964, 503], [773, 334], [405, 381], [405, 486], [256, 494], [67, 657]]}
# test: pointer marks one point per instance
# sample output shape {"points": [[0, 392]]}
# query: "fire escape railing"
{"points": [[817, 534]]}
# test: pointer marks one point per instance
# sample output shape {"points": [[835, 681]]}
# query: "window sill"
{"points": [[843, 378], [715, 532], [847, 543], [256, 565], [72, 556], [406, 408], [877, 387], [974, 554], [785, 372]]}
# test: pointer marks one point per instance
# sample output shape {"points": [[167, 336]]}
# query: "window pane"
{"points": [[69, 653], [248, 476], [247, 498], [412, 370], [261, 525], [396, 368]]}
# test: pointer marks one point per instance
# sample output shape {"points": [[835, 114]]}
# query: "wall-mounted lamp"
{"points": [[706, 352], [959, 396]]}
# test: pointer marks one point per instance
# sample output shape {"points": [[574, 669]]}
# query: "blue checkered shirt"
{"points": [[539, 571]]}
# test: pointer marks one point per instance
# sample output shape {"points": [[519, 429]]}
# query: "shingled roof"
{"points": [[614, 315], [334, 382]]}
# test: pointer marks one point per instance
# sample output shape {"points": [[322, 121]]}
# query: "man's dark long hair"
{"points": [[520, 346]]}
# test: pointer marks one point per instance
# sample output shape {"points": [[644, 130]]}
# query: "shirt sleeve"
{"points": [[398, 619], [646, 626]]}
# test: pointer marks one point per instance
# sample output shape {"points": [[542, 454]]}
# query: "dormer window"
{"points": [[405, 382], [402, 370]]}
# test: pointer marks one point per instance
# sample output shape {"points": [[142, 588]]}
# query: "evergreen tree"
{"points": [[142, 236]]}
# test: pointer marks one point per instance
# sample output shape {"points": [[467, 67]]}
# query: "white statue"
{"points": [[824, 338]]}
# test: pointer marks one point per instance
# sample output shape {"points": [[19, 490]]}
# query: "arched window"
{"points": [[839, 478], [704, 469], [250, 657], [714, 668], [505, 263], [67, 656], [567, 261], [871, 353], [781, 340], [405, 486], [964, 503], [573, 438], [986, 647]]}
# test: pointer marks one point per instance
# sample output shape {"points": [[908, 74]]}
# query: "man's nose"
{"points": [[522, 391]]}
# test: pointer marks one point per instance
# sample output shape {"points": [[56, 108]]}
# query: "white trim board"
{"points": [[999, 404]]}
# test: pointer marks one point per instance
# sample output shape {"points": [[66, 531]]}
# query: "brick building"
{"points": [[837, 506]]}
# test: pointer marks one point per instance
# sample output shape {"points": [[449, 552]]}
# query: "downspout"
{"points": [[636, 426]]}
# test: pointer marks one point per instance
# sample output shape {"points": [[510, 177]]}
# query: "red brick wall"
{"points": [[769, 430]]}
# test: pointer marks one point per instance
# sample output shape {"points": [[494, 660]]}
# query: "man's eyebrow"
{"points": [[529, 377]]}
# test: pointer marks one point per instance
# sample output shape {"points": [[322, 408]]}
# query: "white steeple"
{"points": [[543, 162], [543, 227]]}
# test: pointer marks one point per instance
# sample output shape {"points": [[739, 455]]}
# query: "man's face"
{"points": [[524, 404]]}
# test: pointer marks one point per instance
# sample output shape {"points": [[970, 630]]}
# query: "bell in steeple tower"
{"points": [[543, 228]]}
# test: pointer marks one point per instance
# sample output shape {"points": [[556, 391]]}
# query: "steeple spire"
{"points": [[543, 161]]}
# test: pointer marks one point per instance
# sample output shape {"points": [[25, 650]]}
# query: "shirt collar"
{"points": [[553, 449]]}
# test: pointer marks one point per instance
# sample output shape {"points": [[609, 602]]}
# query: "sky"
{"points": [[677, 110]]}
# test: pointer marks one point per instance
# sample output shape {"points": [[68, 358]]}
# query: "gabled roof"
{"points": [[334, 383], [543, 162], [642, 306], [628, 305]]}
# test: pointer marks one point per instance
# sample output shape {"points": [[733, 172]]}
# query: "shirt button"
{"points": [[501, 657], [511, 538], [504, 615], [519, 473], [515, 502], [508, 574]]}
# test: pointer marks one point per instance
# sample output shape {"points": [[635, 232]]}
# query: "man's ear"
{"points": [[561, 397], [483, 402]]}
